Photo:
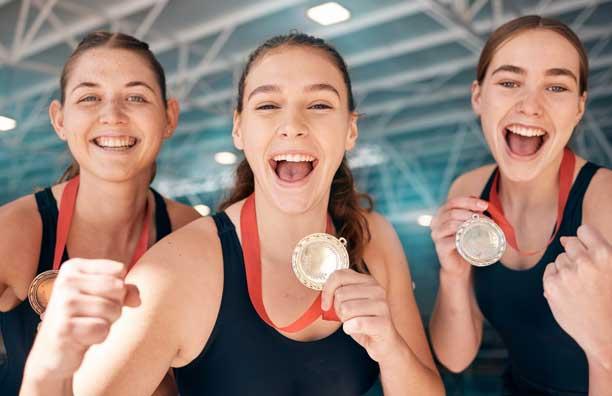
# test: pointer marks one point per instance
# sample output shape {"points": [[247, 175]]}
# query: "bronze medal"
{"points": [[316, 257], [480, 241], [40, 289]]}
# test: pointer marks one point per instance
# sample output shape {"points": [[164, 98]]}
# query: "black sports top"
{"points": [[244, 356], [19, 325], [543, 359]]}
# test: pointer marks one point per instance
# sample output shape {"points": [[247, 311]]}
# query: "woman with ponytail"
{"points": [[114, 115], [219, 299]]}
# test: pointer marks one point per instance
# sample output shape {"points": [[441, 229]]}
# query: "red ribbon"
{"points": [[566, 175], [252, 261], [66, 210]]}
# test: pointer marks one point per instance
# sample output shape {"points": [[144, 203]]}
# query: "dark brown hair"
{"points": [[113, 41], [530, 22], [345, 202]]}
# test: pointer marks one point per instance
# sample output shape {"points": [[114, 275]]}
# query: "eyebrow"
{"points": [[88, 84], [310, 88], [557, 71]]}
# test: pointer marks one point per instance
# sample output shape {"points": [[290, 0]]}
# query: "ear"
{"points": [[56, 115], [236, 132], [476, 97], [353, 133], [581, 106], [173, 111]]}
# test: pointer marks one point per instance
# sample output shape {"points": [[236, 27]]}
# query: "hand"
{"points": [[87, 297], [361, 304], [578, 287], [444, 226]]}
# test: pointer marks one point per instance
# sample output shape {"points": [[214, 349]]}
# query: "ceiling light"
{"points": [[6, 124], [225, 158], [202, 209], [424, 220], [328, 13]]}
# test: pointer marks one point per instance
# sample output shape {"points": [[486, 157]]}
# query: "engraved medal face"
{"points": [[40, 289], [316, 257], [480, 241]]}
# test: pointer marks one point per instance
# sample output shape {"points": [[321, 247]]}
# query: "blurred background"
{"points": [[412, 63]]}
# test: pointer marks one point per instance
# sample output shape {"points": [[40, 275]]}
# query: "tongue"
{"points": [[293, 171], [523, 145]]}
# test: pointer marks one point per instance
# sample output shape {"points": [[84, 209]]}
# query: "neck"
{"points": [[542, 191], [112, 208], [280, 232]]}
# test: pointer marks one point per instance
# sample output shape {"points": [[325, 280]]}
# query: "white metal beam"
{"points": [[20, 26], [147, 22], [42, 16]]}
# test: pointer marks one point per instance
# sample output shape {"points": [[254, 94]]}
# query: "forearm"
{"points": [[36, 382], [600, 378], [403, 373], [454, 327]]}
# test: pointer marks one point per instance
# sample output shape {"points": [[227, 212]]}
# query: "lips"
{"points": [[523, 140], [293, 167]]}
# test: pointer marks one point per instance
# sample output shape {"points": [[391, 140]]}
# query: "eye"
{"points": [[320, 106], [509, 84], [89, 98], [557, 89], [136, 99], [266, 106]]}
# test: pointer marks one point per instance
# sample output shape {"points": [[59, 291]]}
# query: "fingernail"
{"points": [[562, 240], [482, 204]]}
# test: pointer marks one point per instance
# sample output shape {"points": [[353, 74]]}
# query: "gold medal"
{"points": [[40, 289], [480, 241], [316, 257]]}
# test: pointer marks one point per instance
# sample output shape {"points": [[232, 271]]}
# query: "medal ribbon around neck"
{"points": [[252, 261], [566, 173], [66, 210]]}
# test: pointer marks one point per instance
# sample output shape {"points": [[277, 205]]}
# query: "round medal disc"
{"points": [[40, 289], [480, 241], [316, 257]]}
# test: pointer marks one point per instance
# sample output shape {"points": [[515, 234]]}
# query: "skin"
{"points": [[377, 310], [114, 187], [535, 96]]}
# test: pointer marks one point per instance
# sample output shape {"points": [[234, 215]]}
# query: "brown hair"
{"points": [[345, 202], [530, 22], [102, 39]]}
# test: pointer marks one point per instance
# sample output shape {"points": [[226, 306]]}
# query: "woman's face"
{"points": [[529, 102], [295, 126], [113, 118]]}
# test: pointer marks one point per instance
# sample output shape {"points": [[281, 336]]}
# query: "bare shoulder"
{"points": [[19, 248], [180, 214], [597, 205], [472, 182]]}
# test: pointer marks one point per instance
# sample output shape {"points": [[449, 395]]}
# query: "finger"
{"points": [[132, 296], [445, 246], [590, 237], [573, 247], [337, 279], [445, 230], [358, 292], [101, 285], [87, 330], [563, 263], [82, 305], [469, 203], [364, 307], [368, 325], [549, 280], [95, 266]]}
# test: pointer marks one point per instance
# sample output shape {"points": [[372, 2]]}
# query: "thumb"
{"points": [[132, 296]]}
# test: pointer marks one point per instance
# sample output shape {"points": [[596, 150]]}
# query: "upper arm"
{"points": [[394, 276], [19, 249], [180, 214], [146, 340], [597, 205]]}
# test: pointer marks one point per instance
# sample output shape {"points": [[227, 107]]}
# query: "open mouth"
{"points": [[292, 168], [524, 141], [115, 143]]}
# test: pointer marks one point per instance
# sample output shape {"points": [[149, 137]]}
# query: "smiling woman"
{"points": [[114, 115], [530, 94]]}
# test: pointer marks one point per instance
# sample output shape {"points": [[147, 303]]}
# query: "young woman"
{"points": [[114, 115], [549, 296], [202, 308]]}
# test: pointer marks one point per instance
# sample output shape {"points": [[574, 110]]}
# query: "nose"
{"points": [[293, 125], [113, 112], [530, 104]]}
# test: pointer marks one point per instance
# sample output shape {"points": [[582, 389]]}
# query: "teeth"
{"points": [[293, 158], [524, 131], [115, 141]]}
